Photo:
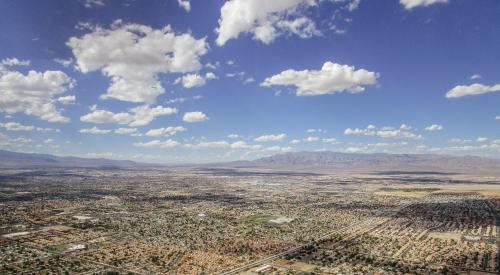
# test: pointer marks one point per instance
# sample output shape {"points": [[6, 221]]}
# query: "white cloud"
{"points": [[482, 139], [210, 75], [475, 76], [384, 132], [497, 118], [233, 136], [15, 126], [410, 4], [166, 132], [277, 149], [458, 140], [330, 140], [264, 19], [434, 127], [93, 3], [354, 4], [133, 55], [212, 65], [157, 143], [195, 80], [332, 78], [194, 117], [311, 139], [249, 80], [33, 93], [315, 130], [474, 89], [137, 116], [65, 62], [126, 131], [302, 26], [295, 141], [185, 4], [359, 132], [268, 138], [243, 145], [191, 80], [398, 134], [94, 130], [208, 145], [404, 127], [15, 62], [69, 99]]}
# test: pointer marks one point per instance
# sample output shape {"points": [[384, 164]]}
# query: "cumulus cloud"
{"points": [[137, 116], [233, 136], [133, 55], [330, 140], [126, 131], [277, 149], [195, 80], [185, 4], [403, 127], [482, 139], [166, 132], [384, 132], [302, 27], [474, 89], [398, 134], [410, 4], [359, 132], [33, 93], [15, 62], [243, 145], [194, 117], [208, 145], [157, 143], [268, 138], [94, 130], [497, 118], [332, 78], [264, 19], [434, 127], [69, 99], [93, 3], [16, 126], [311, 139]]}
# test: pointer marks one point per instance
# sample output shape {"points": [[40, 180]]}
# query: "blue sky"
{"points": [[177, 81]]}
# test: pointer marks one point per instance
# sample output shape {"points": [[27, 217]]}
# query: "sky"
{"points": [[194, 81]]}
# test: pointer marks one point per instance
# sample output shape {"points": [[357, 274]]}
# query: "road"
{"points": [[367, 223]]}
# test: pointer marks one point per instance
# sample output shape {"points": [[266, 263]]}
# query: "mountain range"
{"points": [[9, 159], [301, 161], [334, 161]]}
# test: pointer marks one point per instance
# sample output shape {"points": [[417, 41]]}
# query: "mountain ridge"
{"points": [[11, 159], [374, 161]]}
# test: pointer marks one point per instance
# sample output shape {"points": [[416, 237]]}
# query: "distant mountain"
{"points": [[10, 159], [377, 162]]}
